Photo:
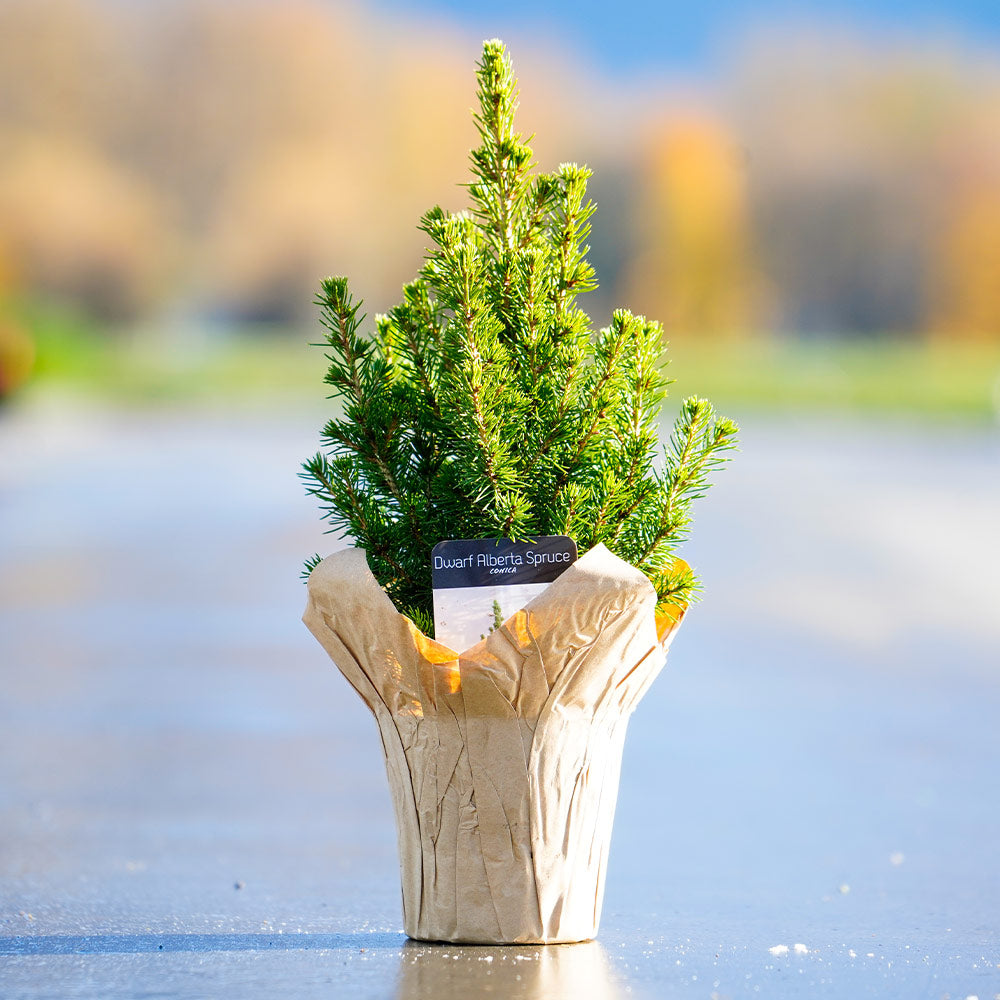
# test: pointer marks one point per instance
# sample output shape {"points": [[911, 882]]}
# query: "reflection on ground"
{"points": [[515, 972]]}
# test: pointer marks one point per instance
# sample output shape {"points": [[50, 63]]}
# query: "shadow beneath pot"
{"points": [[515, 972]]}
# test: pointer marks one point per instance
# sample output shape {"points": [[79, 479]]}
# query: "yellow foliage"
{"points": [[967, 271], [79, 226], [238, 151], [330, 199], [61, 68], [17, 355], [692, 270]]}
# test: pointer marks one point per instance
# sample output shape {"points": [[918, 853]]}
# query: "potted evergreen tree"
{"points": [[486, 407]]}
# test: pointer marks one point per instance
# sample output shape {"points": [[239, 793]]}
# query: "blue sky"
{"points": [[636, 38]]}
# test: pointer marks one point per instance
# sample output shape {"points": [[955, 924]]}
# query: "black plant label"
{"points": [[477, 582], [488, 562]]}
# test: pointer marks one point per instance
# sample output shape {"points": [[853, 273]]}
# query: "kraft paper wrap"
{"points": [[503, 760]]}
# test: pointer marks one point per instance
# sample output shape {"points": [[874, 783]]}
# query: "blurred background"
{"points": [[807, 196]]}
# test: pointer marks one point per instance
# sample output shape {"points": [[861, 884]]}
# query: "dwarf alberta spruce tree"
{"points": [[487, 406]]}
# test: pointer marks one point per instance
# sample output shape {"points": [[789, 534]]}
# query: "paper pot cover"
{"points": [[503, 760]]}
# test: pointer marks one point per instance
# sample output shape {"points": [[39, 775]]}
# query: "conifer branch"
{"points": [[487, 406]]}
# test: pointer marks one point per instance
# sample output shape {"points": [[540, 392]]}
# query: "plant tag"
{"points": [[473, 578]]}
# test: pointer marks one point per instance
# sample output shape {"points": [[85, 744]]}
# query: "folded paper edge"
{"points": [[351, 565]]}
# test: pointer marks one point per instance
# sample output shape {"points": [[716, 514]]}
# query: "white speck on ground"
{"points": [[801, 949], [778, 950]]}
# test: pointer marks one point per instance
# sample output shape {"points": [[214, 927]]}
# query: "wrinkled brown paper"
{"points": [[504, 759]]}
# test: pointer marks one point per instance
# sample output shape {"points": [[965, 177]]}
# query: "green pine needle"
{"points": [[486, 404]]}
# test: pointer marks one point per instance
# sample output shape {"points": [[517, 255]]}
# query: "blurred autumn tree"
{"points": [[965, 286], [80, 221], [967, 276], [693, 268], [869, 164], [220, 158]]}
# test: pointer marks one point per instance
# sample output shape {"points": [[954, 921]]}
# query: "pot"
{"points": [[504, 759]]}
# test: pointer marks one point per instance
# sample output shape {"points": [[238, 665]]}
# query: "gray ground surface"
{"points": [[193, 804]]}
